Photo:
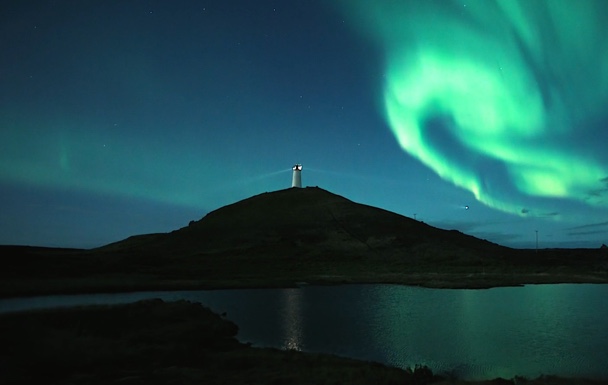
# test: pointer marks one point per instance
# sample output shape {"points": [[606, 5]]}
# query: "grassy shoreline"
{"points": [[29, 271], [28, 286], [156, 342]]}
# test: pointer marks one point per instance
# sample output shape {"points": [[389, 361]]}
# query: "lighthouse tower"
{"points": [[296, 180]]}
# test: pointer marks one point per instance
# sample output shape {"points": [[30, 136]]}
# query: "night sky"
{"points": [[127, 117]]}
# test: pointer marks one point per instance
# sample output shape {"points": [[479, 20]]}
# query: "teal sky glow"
{"points": [[128, 117]]}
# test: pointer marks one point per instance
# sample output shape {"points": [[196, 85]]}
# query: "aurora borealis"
{"points": [[502, 98], [121, 118]]}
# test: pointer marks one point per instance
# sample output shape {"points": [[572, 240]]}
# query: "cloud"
{"points": [[590, 229], [588, 232], [589, 226]]}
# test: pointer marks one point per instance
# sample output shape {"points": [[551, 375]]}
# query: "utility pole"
{"points": [[414, 216]]}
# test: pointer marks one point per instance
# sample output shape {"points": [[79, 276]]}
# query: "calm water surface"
{"points": [[474, 334]]}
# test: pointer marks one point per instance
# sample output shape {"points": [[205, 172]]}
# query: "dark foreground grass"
{"points": [[155, 342], [28, 271]]}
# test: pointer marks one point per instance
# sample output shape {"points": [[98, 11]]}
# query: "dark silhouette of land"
{"points": [[154, 342], [279, 239], [290, 237]]}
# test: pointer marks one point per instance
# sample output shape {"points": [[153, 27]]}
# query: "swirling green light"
{"points": [[498, 97]]}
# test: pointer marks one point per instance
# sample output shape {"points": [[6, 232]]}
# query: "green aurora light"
{"points": [[500, 97]]}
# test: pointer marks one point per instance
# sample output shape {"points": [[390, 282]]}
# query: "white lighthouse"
{"points": [[296, 180]]}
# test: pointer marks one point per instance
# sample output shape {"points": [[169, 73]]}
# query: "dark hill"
{"points": [[301, 222], [290, 236]]}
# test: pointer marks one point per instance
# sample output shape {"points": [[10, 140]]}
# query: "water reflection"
{"points": [[292, 318], [502, 332], [474, 334]]}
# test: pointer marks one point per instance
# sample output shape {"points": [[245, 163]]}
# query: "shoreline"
{"points": [[122, 284], [188, 343]]}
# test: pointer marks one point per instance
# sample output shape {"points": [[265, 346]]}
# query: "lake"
{"points": [[473, 334]]}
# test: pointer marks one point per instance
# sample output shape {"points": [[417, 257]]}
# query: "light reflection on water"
{"points": [[292, 319], [474, 334]]}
